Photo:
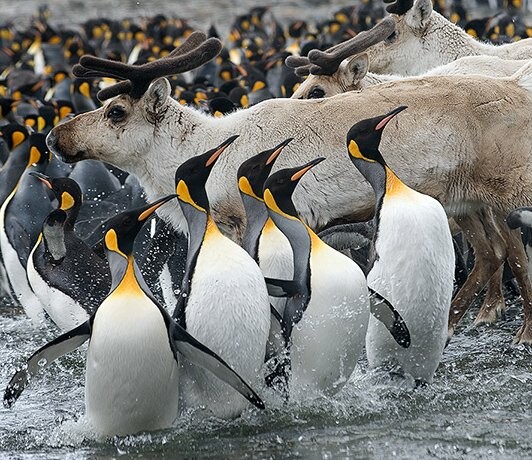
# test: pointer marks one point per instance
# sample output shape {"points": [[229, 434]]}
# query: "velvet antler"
{"points": [[194, 52], [327, 62]]}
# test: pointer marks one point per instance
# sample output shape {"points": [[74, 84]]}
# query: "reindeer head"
{"points": [[133, 121], [405, 52], [339, 68], [395, 45], [348, 77]]}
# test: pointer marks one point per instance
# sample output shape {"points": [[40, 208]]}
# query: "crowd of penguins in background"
{"points": [[38, 91]]}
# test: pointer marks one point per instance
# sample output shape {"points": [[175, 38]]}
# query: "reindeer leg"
{"points": [[494, 304], [487, 262], [519, 265]]}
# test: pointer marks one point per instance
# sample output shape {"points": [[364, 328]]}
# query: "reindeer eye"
{"points": [[116, 113], [316, 93]]}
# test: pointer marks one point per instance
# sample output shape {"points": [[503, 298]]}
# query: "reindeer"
{"points": [[461, 129], [414, 39]]}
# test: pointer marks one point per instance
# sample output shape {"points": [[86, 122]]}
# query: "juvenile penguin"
{"points": [[325, 322], [413, 261], [65, 274], [132, 372], [223, 300]]}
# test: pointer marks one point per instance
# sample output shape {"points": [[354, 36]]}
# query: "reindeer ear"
{"points": [[356, 68], [419, 14], [158, 93]]}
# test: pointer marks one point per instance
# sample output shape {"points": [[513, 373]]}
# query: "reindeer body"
{"points": [[457, 146]]}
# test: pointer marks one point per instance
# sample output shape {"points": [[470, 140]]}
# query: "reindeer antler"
{"points": [[398, 6], [194, 52], [327, 62]]}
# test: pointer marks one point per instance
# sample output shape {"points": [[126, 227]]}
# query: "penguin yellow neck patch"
{"points": [[67, 201], [129, 284], [212, 230], [394, 186], [184, 195], [269, 226], [245, 187], [355, 152]]}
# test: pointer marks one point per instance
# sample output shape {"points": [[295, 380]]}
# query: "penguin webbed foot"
{"points": [[278, 378]]}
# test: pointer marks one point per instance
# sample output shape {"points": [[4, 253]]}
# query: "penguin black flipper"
{"points": [[58, 347], [282, 288], [383, 310], [276, 315], [200, 355], [16, 232], [293, 312]]}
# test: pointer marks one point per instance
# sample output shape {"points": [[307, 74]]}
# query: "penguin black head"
{"points": [[192, 175], [122, 229], [280, 186], [14, 134], [39, 151], [364, 137], [66, 191], [252, 173]]}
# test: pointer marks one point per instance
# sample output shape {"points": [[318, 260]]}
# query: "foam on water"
{"points": [[480, 404]]}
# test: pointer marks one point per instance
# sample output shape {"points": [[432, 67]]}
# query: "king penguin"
{"points": [[413, 260], [326, 318], [262, 239], [61, 264], [223, 300], [21, 217], [132, 373]]}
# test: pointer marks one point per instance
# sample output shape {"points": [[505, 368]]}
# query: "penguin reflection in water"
{"points": [[413, 260], [132, 373]]}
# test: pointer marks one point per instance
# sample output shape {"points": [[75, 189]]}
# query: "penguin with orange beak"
{"points": [[413, 259], [132, 370]]}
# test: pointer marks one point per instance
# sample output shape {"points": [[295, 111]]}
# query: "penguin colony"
{"points": [[179, 322]]}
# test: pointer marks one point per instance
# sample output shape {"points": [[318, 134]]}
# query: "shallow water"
{"points": [[479, 405]]}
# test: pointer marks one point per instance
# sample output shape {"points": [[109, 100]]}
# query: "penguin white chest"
{"points": [[227, 310], [414, 271], [328, 340], [132, 375]]}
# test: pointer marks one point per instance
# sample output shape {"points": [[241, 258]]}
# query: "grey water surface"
{"points": [[479, 406]]}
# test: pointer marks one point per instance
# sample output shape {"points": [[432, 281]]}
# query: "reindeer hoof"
{"points": [[524, 335], [489, 314], [450, 333]]}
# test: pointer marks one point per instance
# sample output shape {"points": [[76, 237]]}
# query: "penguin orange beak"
{"points": [[278, 150], [219, 150], [305, 168], [43, 178], [387, 118], [152, 207]]}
